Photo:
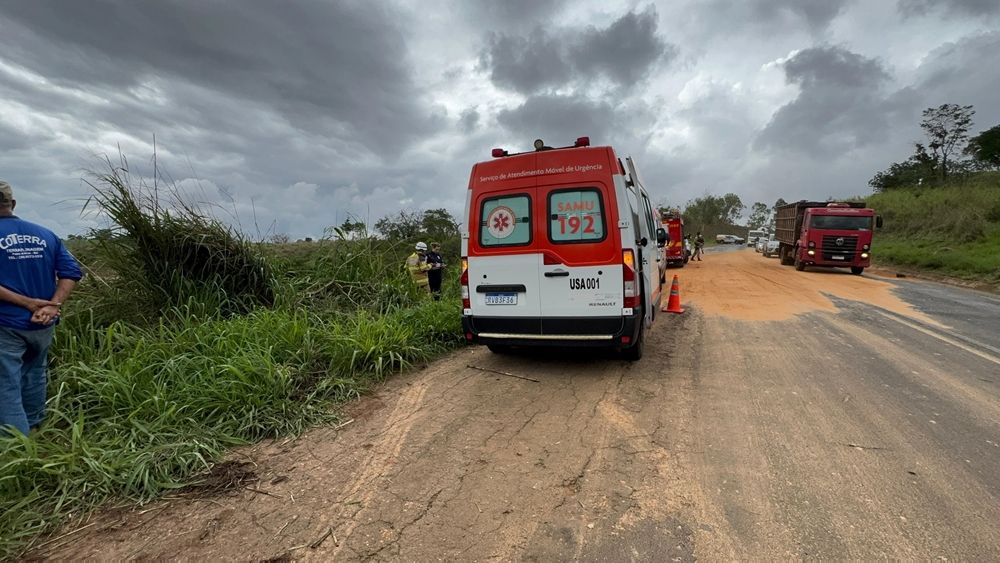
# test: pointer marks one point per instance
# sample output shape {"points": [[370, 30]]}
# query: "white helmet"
{"points": [[421, 246]]}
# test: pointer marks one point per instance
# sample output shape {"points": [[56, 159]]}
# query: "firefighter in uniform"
{"points": [[418, 267]]}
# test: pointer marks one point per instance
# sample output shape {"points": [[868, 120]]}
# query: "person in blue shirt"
{"points": [[37, 275]]}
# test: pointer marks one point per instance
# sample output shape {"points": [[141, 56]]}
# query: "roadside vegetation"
{"points": [[952, 229], [187, 339], [942, 205]]}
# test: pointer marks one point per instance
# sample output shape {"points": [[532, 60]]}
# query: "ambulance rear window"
{"points": [[576, 215], [505, 221]]}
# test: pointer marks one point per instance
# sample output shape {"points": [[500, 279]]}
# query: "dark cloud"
{"points": [[544, 59], [817, 14], [468, 120], [975, 8], [334, 67], [527, 64], [961, 73], [710, 17], [820, 67], [624, 51], [559, 119], [840, 105], [12, 139], [507, 14]]}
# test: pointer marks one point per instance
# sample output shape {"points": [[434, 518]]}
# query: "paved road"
{"points": [[786, 414]]}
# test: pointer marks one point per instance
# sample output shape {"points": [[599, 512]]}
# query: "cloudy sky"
{"points": [[293, 115]]}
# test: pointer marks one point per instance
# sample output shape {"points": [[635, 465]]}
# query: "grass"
{"points": [[952, 230], [153, 379]]}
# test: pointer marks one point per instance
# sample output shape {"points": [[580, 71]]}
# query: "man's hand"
{"points": [[34, 305], [45, 315]]}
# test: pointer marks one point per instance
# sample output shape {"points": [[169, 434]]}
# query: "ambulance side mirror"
{"points": [[878, 221], [661, 237]]}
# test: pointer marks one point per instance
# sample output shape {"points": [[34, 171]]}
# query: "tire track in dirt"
{"points": [[382, 457]]}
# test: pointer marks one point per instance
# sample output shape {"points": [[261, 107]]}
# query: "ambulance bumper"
{"points": [[547, 331]]}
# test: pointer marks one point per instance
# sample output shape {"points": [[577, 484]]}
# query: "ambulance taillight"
{"points": [[629, 280], [466, 301]]}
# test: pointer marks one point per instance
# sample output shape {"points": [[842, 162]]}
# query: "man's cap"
{"points": [[6, 193], [421, 246]]}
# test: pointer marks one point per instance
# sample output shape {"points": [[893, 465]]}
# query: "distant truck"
{"points": [[754, 235], [827, 234]]}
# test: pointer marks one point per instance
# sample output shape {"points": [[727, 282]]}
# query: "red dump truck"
{"points": [[828, 234]]}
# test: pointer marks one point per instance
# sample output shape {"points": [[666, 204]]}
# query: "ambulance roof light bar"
{"points": [[541, 146]]}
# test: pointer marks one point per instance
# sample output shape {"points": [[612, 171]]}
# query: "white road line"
{"points": [[985, 355]]}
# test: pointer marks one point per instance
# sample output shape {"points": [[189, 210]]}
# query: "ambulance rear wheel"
{"points": [[634, 352]]}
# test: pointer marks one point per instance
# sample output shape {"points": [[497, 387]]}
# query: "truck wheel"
{"points": [[634, 352], [786, 260], [856, 270], [799, 264], [499, 348]]}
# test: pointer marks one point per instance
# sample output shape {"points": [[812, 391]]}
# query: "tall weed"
{"points": [[164, 250]]}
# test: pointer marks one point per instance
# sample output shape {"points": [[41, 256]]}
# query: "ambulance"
{"points": [[559, 248]]}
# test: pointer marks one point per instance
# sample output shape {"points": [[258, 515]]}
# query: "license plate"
{"points": [[501, 299], [837, 257]]}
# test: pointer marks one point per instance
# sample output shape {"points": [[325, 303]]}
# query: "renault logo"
{"points": [[840, 241]]}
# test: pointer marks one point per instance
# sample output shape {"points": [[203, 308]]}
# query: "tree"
{"points": [[984, 148], [404, 226], [714, 210], [438, 225], [902, 175], [431, 225], [947, 129], [706, 210], [352, 228], [758, 215], [732, 208]]}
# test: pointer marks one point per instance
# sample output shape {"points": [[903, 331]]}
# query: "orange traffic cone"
{"points": [[674, 303]]}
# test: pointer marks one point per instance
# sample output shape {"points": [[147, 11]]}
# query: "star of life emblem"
{"points": [[500, 222]]}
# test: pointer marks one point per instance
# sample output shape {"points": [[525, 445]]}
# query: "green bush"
{"points": [[953, 229]]}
